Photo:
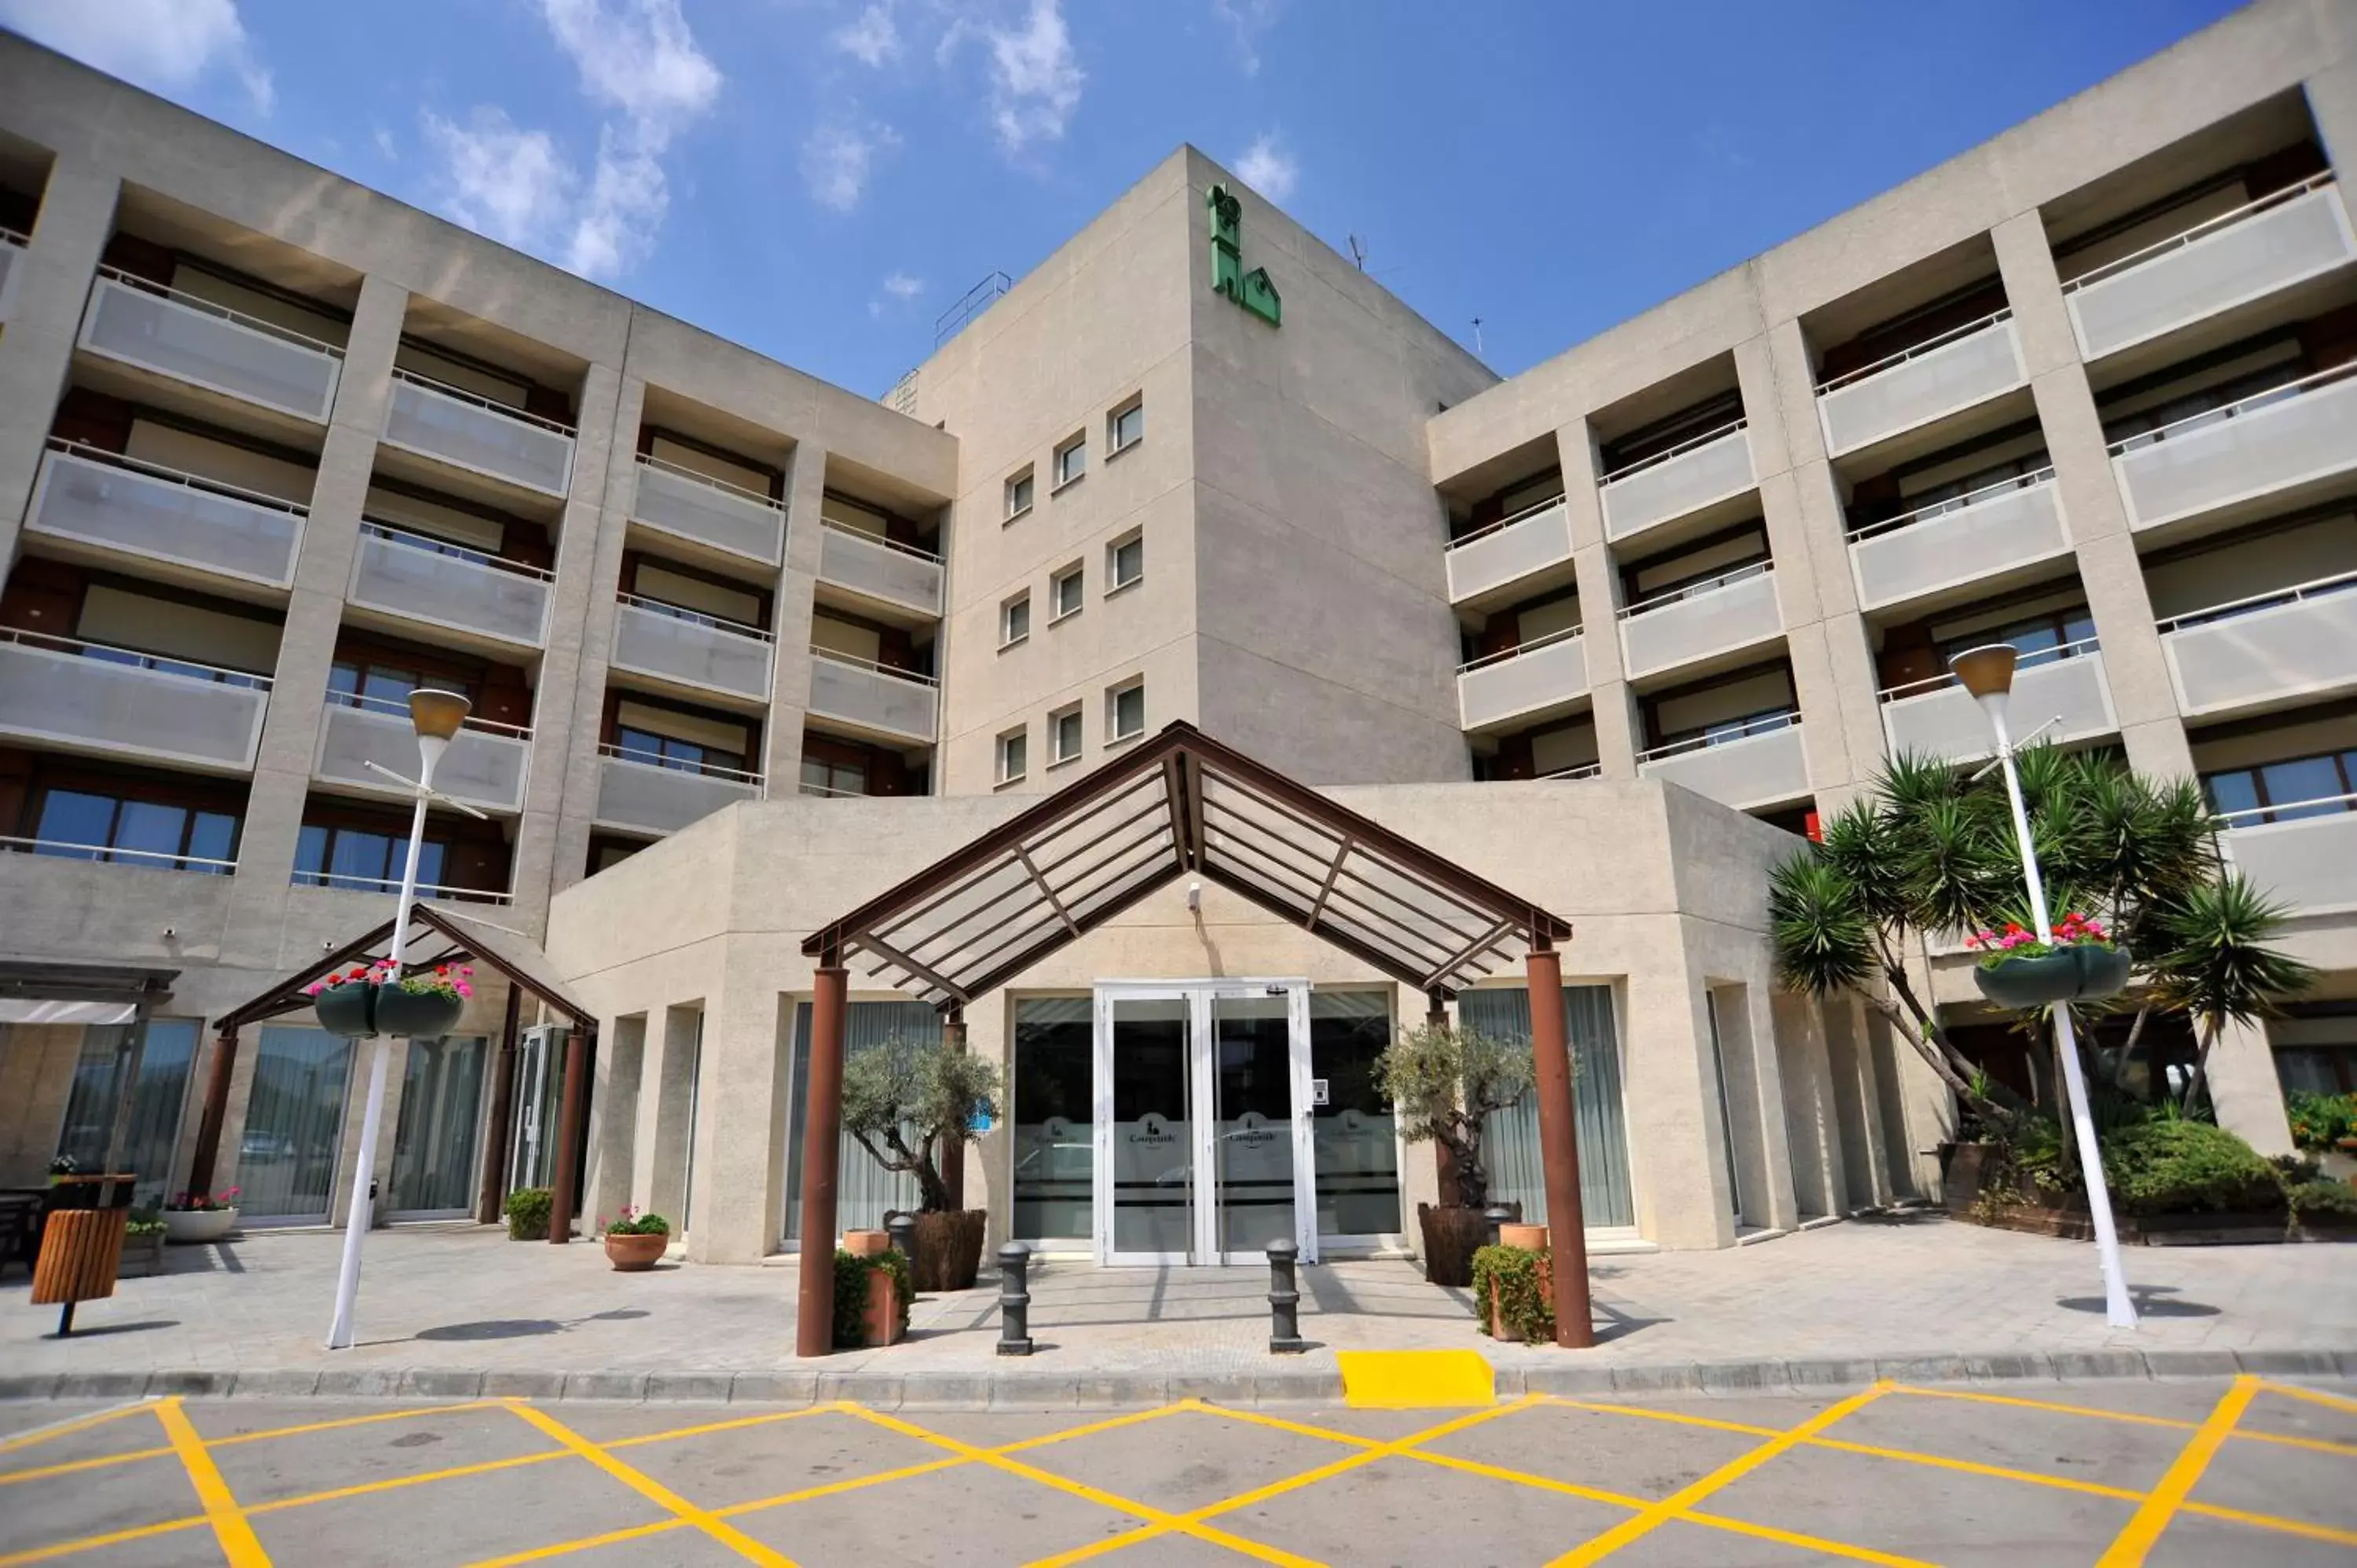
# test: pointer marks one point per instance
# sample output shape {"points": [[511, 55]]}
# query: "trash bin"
{"points": [[82, 1244]]}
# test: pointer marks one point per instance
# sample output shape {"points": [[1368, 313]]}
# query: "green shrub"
{"points": [[2178, 1167], [142, 1224], [528, 1210], [2322, 1200], [1517, 1274], [851, 1271], [634, 1223], [2321, 1120]]}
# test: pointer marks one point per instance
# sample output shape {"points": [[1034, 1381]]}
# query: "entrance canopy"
{"points": [[1182, 804], [435, 936]]}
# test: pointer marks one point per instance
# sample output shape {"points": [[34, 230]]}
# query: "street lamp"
{"points": [[1987, 674], [435, 716]]}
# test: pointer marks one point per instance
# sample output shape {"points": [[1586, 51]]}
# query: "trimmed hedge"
{"points": [[2178, 1167]]}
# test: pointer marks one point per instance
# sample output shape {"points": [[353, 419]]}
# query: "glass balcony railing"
{"points": [[111, 502], [2303, 854], [878, 569], [486, 765], [436, 891], [61, 691], [424, 579], [642, 793], [2296, 642], [11, 268], [873, 698], [2238, 256], [1950, 372], [689, 649], [2292, 435], [474, 433], [1991, 531], [1679, 482], [1704, 620], [1757, 763], [210, 346], [1548, 673], [704, 511], [1507, 550], [1939, 718], [119, 855]]}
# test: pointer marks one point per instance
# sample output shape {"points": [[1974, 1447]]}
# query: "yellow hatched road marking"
{"points": [[654, 1491], [1416, 1380], [2313, 1396], [2160, 1506], [101, 1462], [2318, 1444], [67, 1428], [231, 1527]]}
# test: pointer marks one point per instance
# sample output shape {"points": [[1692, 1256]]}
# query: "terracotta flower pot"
{"points": [[2081, 972], [1529, 1238], [866, 1244], [635, 1254], [880, 1323]]}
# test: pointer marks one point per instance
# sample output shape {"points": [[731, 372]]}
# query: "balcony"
{"points": [[2239, 256], [2252, 653], [206, 345], [1724, 616], [1686, 479], [2303, 854], [417, 578], [1985, 534], [2289, 436], [479, 435], [12, 267], [684, 648], [1954, 370], [643, 796], [101, 501], [704, 511], [87, 696], [1761, 763], [1534, 540], [1534, 680], [1939, 718], [325, 911], [893, 706], [485, 766], [893, 578]]}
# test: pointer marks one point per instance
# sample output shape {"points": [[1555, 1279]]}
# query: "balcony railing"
{"points": [[1544, 674], [486, 765], [690, 649], [1952, 371], [1759, 763], [873, 698], [708, 512], [1938, 716], [1678, 482], [1509, 550], [1702, 620], [2303, 854], [2271, 243], [61, 691], [642, 793], [2294, 642], [210, 346], [117, 854], [1584, 770], [12, 267], [2302, 431], [351, 883], [453, 426], [2005, 526], [424, 579], [117, 504], [895, 574]]}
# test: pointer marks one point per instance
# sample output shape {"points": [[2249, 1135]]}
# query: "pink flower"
{"points": [[465, 988]]}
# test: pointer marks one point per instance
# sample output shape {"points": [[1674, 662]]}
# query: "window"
{"points": [[1125, 426], [1019, 494], [362, 859], [1015, 620], [822, 778], [1125, 711], [1124, 563], [2033, 636], [667, 751], [1065, 593], [80, 825], [1064, 734], [1071, 460], [2285, 791], [1013, 748]]}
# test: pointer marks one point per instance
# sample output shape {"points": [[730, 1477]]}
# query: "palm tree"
{"points": [[2218, 970]]}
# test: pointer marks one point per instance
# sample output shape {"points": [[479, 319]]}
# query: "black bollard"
{"points": [[1014, 1300], [1497, 1214], [1284, 1301], [902, 1228]]}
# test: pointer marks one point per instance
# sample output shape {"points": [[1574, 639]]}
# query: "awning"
{"points": [[40, 991], [436, 935]]}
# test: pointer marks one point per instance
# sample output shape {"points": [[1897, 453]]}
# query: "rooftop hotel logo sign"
{"points": [[1251, 290]]}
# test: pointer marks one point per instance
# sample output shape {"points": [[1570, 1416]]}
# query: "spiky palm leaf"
{"points": [[2218, 966], [1952, 862], [1860, 842], [1822, 935]]}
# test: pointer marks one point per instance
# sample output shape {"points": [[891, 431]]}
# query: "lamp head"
{"points": [[1986, 670], [437, 715]]}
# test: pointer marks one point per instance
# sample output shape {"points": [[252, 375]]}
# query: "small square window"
{"points": [[1124, 563], [1013, 748], [1066, 594], [1064, 734], [1125, 426], [1019, 494], [1071, 460], [1015, 620], [1125, 711]]}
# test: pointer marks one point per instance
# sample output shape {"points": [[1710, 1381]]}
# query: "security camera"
{"points": [[171, 931], [1194, 896]]}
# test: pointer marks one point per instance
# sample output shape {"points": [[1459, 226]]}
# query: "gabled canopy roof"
{"points": [[1183, 804], [435, 936]]}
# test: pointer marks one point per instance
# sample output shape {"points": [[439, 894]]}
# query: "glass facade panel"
{"points": [[1252, 1081], [294, 1124], [1511, 1140], [1354, 1132], [1153, 1127], [865, 1191], [1053, 1114], [434, 1143], [156, 1106]]}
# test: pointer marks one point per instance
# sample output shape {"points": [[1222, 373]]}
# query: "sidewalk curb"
{"points": [[1026, 1388]]}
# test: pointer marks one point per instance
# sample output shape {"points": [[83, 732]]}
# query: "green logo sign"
{"points": [[1253, 289]]}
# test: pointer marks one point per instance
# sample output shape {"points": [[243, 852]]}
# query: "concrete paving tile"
{"points": [[472, 1517], [933, 1519], [1400, 1513]]}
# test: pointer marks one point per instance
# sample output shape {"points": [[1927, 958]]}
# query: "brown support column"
{"points": [[1444, 1160], [209, 1122], [953, 1146], [565, 1191], [822, 1154], [1575, 1327], [493, 1193]]}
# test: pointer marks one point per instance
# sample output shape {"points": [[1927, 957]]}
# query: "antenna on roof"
{"points": [[1359, 252]]}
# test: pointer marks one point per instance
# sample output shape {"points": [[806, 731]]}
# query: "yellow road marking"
{"points": [[67, 1428], [42, 1473], [2160, 1506], [231, 1529], [2313, 1396], [2285, 1440], [94, 1543], [1416, 1380], [9, 1477], [654, 1491]]}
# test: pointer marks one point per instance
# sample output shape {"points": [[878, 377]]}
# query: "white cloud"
{"points": [[837, 160], [870, 37], [1035, 80], [505, 181], [386, 145], [637, 56], [1268, 168], [1251, 20], [900, 285], [158, 44]]}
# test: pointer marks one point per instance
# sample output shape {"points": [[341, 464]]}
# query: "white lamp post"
{"points": [[1987, 674], [436, 716]]}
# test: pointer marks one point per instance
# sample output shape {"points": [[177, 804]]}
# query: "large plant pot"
{"points": [[1451, 1237], [948, 1249], [191, 1226], [636, 1254], [359, 1008], [2084, 973], [1965, 1171]]}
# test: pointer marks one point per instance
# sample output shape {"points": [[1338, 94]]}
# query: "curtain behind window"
{"points": [[1511, 1140], [865, 1191]]}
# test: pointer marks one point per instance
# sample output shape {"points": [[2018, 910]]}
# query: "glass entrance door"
{"points": [[532, 1151]]}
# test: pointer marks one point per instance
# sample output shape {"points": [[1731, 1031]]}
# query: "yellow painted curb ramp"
{"points": [[1414, 1380]]}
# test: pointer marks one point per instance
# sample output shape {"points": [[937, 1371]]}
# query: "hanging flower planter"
{"points": [[365, 1001], [2019, 972]]}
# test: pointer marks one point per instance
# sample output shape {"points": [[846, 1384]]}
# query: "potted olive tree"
{"points": [[903, 1100], [1444, 1082]]}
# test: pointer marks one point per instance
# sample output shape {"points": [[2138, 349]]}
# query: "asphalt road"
{"points": [[2115, 1473]]}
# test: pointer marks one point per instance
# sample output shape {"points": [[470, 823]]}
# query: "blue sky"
{"points": [[820, 178]]}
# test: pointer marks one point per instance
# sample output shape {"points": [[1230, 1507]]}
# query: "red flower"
{"points": [[2013, 927]]}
